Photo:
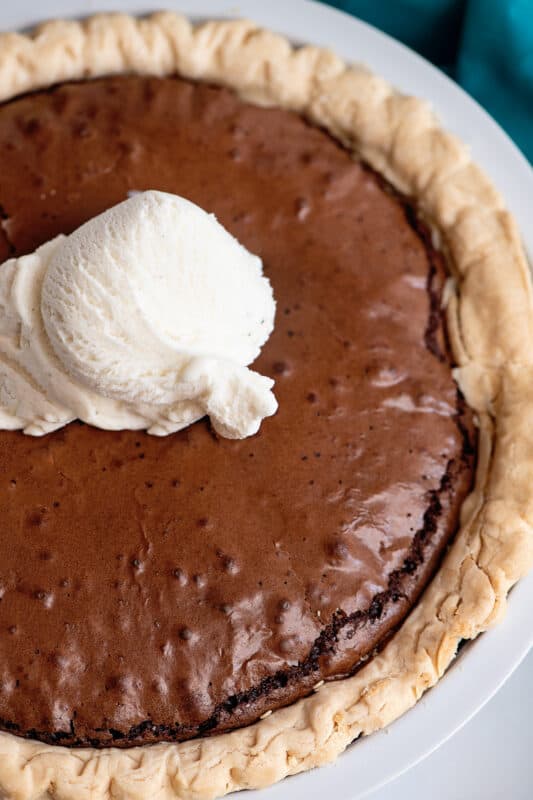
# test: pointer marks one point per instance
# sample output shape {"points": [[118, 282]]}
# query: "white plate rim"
{"points": [[484, 665]]}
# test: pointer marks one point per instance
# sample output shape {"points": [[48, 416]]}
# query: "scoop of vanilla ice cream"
{"points": [[146, 316], [135, 293]]}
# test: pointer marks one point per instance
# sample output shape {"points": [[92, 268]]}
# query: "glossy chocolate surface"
{"points": [[157, 589]]}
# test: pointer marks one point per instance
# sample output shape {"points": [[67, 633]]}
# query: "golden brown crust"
{"points": [[491, 324]]}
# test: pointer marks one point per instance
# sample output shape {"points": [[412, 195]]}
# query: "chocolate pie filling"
{"points": [[159, 589]]}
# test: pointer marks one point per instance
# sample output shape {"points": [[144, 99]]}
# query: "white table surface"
{"points": [[491, 758]]}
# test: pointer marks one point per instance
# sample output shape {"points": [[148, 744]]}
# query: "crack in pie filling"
{"points": [[166, 591]]}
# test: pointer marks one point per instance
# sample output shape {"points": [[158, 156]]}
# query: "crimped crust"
{"points": [[491, 326]]}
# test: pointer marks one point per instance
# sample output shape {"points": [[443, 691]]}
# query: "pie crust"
{"points": [[490, 319]]}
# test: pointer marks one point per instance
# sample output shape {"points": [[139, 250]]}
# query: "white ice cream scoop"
{"points": [[146, 316]]}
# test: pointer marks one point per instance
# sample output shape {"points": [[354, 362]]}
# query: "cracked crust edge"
{"points": [[490, 313]]}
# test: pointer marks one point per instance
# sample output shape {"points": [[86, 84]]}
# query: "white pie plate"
{"points": [[484, 665]]}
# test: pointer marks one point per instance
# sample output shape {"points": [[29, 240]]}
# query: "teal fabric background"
{"points": [[485, 45]]}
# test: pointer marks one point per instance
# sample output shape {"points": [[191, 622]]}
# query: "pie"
{"points": [[187, 616]]}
